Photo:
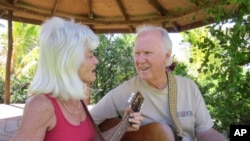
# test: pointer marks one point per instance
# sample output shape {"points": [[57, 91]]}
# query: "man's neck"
{"points": [[159, 84]]}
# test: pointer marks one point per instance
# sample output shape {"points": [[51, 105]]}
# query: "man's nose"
{"points": [[141, 59]]}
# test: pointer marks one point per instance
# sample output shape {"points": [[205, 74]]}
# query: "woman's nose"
{"points": [[96, 60]]}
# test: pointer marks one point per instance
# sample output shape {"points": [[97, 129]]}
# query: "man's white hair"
{"points": [[166, 44]]}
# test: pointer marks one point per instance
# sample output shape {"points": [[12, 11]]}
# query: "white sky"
{"points": [[179, 49], [3, 22]]}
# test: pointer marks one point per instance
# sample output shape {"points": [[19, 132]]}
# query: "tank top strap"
{"points": [[55, 105]]}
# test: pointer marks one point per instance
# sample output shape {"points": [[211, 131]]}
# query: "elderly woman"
{"points": [[55, 110]]}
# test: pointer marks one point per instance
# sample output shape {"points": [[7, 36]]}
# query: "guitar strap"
{"points": [[172, 98], [98, 136]]}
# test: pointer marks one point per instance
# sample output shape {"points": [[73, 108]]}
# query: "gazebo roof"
{"points": [[117, 16]]}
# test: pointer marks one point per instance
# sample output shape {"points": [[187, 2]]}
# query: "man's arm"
{"points": [[210, 135]]}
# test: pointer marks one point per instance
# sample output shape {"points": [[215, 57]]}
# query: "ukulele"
{"points": [[136, 100], [154, 131]]}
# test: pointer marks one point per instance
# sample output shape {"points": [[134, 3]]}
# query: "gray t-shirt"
{"points": [[191, 108]]}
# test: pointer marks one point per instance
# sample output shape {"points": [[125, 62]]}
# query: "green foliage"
{"points": [[232, 75], [1, 90], [182, 70], [24, 59], [223, 73], [115, 63], [25, 50], [3, 52], [19, 89]]}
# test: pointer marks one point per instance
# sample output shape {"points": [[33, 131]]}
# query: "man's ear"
{"points": [[167, 57]]}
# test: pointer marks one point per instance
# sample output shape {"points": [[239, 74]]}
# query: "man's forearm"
{"points": [[210, 135]]}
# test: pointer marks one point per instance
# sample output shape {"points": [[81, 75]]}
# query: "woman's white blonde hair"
{"points": [[62, 46]]}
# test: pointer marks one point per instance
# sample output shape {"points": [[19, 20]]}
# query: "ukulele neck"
{"points": [[121, 130]]}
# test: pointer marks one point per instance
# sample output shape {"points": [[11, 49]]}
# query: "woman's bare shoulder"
{"points": [[39, 103], [37, 117]]}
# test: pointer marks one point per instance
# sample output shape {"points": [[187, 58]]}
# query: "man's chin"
{"points": [[143, 77]]}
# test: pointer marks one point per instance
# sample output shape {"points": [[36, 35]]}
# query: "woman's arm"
{"points": [[36, 119]]}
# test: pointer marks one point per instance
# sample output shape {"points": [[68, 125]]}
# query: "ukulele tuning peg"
{"points": [[131, 97]]}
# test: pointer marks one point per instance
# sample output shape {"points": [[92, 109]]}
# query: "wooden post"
{"points": [[8, 62]]}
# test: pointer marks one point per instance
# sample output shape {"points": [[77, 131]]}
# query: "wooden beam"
{"points": [[23, 20], [122, 9], [106, 21], [15, 8], [91, 14], [131, 29], [196, 24], [157, 7], [54, 7], [124, 14], [8, 61], [200, 3], [15, 1], [3, 12], [174, 26], [118, 30]]}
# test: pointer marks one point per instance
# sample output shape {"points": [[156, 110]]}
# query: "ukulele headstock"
{"points": [[136, 100]]}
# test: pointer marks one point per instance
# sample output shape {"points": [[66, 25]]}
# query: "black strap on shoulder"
{"points": [[98, 136]]}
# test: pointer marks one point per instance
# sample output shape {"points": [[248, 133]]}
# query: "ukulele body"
{"points": [[154, 131]]}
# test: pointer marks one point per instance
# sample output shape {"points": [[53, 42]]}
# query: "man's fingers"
{"points": [[135, 120]]}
